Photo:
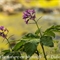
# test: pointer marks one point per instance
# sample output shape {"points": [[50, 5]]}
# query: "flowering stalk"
{"points": [[41, 43], [3, 33], [30, 15]]}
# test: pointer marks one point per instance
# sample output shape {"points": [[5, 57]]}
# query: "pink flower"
{"points": [[29, 14], [2, 28], [3, 31]]}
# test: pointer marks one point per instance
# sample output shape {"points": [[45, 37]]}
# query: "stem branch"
{"points": [[9, 43], [41, 43]]}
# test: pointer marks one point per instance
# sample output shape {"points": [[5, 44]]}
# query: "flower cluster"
{"points": [[3, 31], [29, 14]]}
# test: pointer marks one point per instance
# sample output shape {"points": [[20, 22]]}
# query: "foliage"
{"points": [[47, 41]]}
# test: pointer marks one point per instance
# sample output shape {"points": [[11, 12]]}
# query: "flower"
{"points": [[2, 28], [3, 35], [3, 31], [29, 14]]}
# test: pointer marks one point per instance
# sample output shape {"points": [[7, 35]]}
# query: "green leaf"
{"points": [[6, 52], [55, 28], [18, 45], [30, 48], [47, 41], [51, 28], [16, 55], [49, 33], [37, 32], [30, 35]]}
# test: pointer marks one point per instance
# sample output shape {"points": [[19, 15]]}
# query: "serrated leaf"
{"points": [[49, 33], [18, 45], [47, 41], [30, 48]]}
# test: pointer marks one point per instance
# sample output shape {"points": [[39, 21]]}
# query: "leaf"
{"points": [[49, 33], [6, 52], [18, 45], [15, 55], [55, 28], [47, 41], [51, 28], [30, 48], [37, 32], [30, 35]]}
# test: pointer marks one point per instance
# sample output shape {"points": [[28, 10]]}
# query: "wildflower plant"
{"points": [[29, 42], [3, 31]]}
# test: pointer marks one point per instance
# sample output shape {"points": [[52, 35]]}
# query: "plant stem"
{"points": [[38, 28], [9, 43], [44, 52], [37, 54], [41, 43]]}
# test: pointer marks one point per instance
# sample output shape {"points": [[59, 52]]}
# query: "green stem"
{"points": [[41, 43], [38, 28], [9, 43], [37, 54], [44, 52]]}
